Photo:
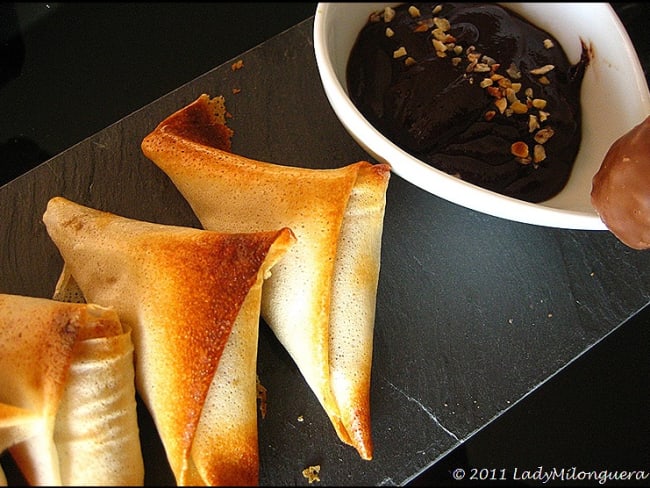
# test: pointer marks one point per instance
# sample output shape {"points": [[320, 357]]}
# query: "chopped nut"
{"points": [[518, 107], [437, 9], [505, 82], [398, 53], [456, 61], [539, 103], [533, 123], [542, 70], [513, 72], [239, 64], [486, 82], [389, 32], [442, 36], [458, 49], [511, 95], [489, 115], [539, 153], [414, 11], [442, 23], [473, 57], [494, 91], [544, 80], [501, 104], [548, 44], [519, 149], [543, 135], [488, 60], [440, 47], [389, 14], [543, 116], [409, 61]]}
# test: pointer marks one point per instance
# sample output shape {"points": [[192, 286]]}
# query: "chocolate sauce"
{"points": [[441, 110]]}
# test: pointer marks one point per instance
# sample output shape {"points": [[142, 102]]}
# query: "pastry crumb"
{"points": [[312, 473], [261, 397]]}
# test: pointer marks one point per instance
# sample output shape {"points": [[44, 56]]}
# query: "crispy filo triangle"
{"points": [[67, 395], [192, 298], [320, 301]]}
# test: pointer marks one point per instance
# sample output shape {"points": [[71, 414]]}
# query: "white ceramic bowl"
{"points": [[615, 98]]}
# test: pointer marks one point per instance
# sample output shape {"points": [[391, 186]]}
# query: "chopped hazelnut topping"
{"points": [[542, 70], [488, 60], [481, 68], [442, 36], [539, 103], [518, 107], [519, 149], [513, 72], [548, 44], [442, 23], [398, 53], [389, 14], [414, 11], [489, 115], [389, 32], [409, 61], [437, 9], [533, 123], [543, 135], [539, 153], [501, 104], [544, 80], [439, 46], [486, 82]]}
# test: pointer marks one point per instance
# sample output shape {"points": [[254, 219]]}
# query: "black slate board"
{"points": [[473, 312]]}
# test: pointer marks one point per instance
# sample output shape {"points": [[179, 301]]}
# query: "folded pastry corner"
{"points": [[192, 298], [67, 394], [320, 301]]}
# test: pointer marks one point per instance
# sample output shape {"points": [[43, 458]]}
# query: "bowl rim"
{"points": [[428, 178]]}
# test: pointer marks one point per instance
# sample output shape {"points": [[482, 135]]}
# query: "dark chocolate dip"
{"points": [[433, 88]]}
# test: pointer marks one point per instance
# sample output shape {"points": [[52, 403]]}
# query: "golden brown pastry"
{"points": [[620, 191], [320, 301], [67, 395], [192, 298]]}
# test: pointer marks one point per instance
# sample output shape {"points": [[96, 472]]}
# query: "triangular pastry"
{"points": [[67, 394], [192, 298], [320, 301]]}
